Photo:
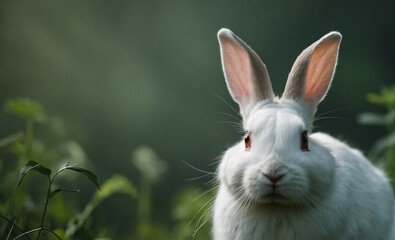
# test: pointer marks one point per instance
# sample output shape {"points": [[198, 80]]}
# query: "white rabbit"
{"points": [[282, 181]]}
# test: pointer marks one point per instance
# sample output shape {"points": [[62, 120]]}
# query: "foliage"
{"points": [[190, 217], [383, 151], [116, 184], [34, 166], [151, 169], [193, 214], [26, 109], [148, 163], [32, 151]]}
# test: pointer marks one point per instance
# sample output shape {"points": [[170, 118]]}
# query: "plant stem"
{"points": [[38, 229], [45, 207], [10, 222], [11, 228], [29, 136], [28, 232], [144, 208]]}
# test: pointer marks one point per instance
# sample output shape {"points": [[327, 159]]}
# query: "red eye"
{"points": [[247, 141], [304, 142]]}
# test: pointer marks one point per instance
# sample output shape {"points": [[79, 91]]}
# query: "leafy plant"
{"points": [[60, 216], [32, 112], [193, 214], [384, 148], [34, 166], [116, 184], [31, 155], [151, 169]]}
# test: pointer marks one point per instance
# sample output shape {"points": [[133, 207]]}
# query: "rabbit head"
{"points": [[277, 162]]}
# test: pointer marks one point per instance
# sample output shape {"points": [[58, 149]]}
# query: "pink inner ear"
{"points": [[237, 70], [321, 68]]}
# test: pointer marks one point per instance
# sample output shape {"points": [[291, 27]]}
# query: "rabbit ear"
{"points": [[246, 76], [313, 70]]}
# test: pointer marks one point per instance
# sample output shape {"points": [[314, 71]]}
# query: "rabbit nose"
{"points": [[273, 178]]}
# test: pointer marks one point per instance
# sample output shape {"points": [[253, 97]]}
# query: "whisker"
{"points": [[331, 111], [236, 124], [197, 169], [199, 177], [229, 115], [339, 118], [210, 190], [238, 127], [215, 162], [211, 181], [230, 106], [208, 217], [194, 216]]}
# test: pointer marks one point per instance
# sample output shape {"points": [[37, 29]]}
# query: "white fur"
{"points": [[329, 192], [353, 199]]}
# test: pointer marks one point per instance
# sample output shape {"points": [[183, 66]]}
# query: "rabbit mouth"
{"points": [[275, 198]]}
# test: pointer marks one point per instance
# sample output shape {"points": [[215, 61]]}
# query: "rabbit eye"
{"points": [[304, 142], [247, 141]]}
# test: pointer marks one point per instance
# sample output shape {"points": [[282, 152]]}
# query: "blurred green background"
{"points": [[121, 74]]}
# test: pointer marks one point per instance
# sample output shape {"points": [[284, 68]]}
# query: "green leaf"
{"points": [[391, 117], [56, 191], [25, 108], [116, 184], [10, 139], [376, 99], [33, 166], [372, 119], [78, 168], [385, 97], [60, 233], [149, 163], [381, 145], [18, 148]]}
